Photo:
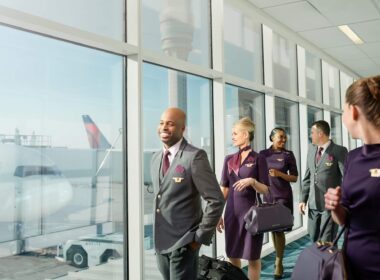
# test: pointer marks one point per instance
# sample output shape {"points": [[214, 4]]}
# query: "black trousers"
{"points": [[181, 264]]}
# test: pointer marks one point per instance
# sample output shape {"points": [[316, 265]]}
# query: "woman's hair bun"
{"points": [[373, 84]]}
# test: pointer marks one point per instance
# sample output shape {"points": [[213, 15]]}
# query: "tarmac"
{"points": [[33, 266]]}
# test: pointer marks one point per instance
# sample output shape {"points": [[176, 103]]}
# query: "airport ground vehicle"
{"points": [[90, 251]]}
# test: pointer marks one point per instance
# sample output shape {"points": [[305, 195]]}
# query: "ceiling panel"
{"points": [[369, 71], [298, 16], [321, 28], [368, 31], [359, 63], [326, 37], [346, 52], [377, 61], [372, 49], [347, 11], [270, 3]]}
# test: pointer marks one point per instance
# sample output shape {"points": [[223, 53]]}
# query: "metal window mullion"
{"points": [[134, 265]]}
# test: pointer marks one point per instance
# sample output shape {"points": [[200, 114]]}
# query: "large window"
{"points": [[313, 77], [241, 103], [331, 85], [178, 28], [336, 128], [102, 17], [287, 117], [65, 67], [165, 88], [284, 64], [61, 160], [242, 44], [313, 114]]}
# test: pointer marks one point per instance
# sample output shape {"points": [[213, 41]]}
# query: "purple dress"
{"points": [[280, 189], [239, 243], [361, 197]]}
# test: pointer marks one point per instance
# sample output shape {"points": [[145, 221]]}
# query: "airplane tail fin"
{"points": [[95, 136]]}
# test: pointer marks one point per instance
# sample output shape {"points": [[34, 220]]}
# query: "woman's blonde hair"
{"points": [[246, 124]]}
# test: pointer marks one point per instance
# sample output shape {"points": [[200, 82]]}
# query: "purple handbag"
{"points": [[321, 261], [266, 217]]}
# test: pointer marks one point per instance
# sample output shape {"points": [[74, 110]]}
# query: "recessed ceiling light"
{"points": [[350, 34]]}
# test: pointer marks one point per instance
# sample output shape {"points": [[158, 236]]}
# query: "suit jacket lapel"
{"points": [[157, 166], [328, 151], [174, 162], [314, 155]]}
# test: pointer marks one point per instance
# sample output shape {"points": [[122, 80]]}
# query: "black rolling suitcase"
{"points": [[215, 269]]}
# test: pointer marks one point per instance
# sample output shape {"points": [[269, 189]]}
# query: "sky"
{"points": [[46, 86]]}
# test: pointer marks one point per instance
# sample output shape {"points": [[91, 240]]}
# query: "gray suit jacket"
{"points": [[326, 174], [178, 215]]}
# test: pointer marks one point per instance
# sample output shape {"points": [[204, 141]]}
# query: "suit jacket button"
{"points": [[159, 196], [158, 210]]}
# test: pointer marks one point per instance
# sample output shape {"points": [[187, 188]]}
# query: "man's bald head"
{"points": [[177, 114], [172, 126]]}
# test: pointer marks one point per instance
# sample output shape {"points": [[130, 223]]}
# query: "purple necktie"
{"points": [[319, 155], [165, 162]]}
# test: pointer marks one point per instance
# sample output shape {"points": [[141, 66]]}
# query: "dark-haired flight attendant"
{"points": [[282, 170], [357, 204]]}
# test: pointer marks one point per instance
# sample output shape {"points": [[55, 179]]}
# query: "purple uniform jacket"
{"points": [[280, 189], [361, 197]]}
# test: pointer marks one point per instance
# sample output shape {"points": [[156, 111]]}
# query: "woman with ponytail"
{"points": [[357, 203]]}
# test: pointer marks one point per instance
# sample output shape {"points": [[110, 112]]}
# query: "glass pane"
{"points": [[313, 77], [102, 17], [345, 81], [336, 128], [313, 114], [240, 103], [333, 86], [287, 117], [61, 172], [284, 64], [178, 28], [165, 88], [242, 44]]}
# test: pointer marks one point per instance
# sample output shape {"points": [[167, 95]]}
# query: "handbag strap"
{"points": [[335, 241], [258, 197]]}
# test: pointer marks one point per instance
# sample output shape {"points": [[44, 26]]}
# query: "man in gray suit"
{"points": [[324, 169], [181, 175]]}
